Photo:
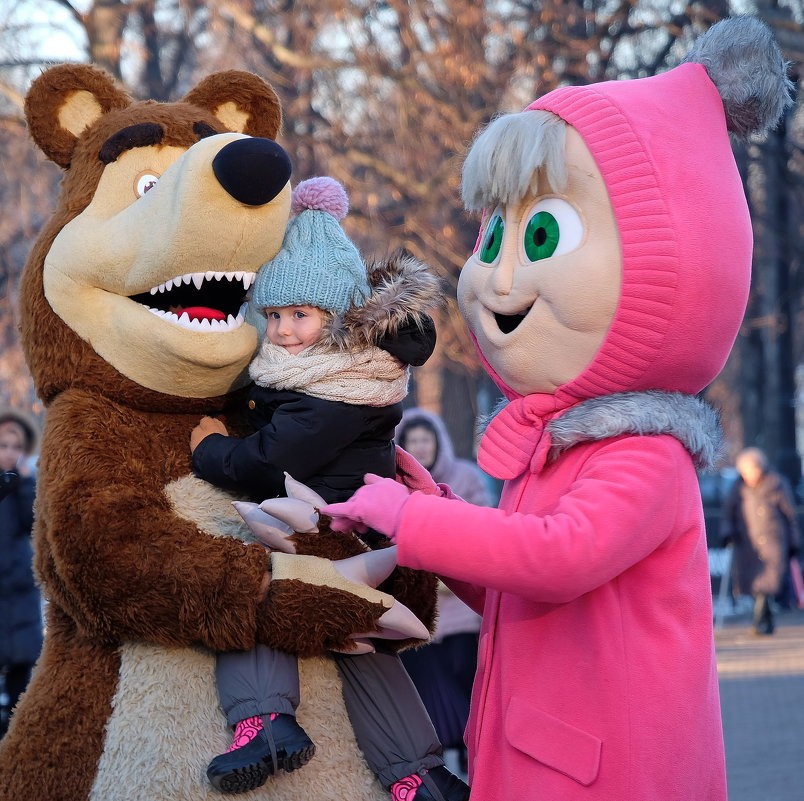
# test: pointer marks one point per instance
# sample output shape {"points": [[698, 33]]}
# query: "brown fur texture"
{"points": [[67, 705], [262, 110], [414, 588], [326, 543], [293, 600], [147, 570]]}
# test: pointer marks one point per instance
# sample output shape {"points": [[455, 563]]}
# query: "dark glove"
{"points": [[8, 482], [413, 342]]}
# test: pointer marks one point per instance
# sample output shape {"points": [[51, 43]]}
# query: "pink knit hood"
{"points": [[663, 148]]}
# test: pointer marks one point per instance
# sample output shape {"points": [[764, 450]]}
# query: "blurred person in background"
{"points": [[443, 670], [759, 521], [20, 604]]}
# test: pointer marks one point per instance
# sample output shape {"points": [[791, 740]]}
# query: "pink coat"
{"points": [[596, 675]]}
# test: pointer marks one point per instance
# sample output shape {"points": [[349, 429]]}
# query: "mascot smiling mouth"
{"points": [[508, 322], [210, 301]]}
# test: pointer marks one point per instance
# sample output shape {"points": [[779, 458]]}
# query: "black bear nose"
{"points": [[253, 170]]}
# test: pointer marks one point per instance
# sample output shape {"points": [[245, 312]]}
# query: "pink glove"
{"points": [[377, 504], [415, 477]]}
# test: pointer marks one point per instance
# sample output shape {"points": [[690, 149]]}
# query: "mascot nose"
{"points": [[253, 170]]}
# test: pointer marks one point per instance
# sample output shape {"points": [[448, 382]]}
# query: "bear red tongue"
{"points": [[202, 313]]}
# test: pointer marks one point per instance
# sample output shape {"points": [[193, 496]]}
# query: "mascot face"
{"points": [[167, 213], [616, 252], [540, 291], [154, 271]]}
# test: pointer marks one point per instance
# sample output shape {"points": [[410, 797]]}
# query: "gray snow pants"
{"points": [[391, 725]]}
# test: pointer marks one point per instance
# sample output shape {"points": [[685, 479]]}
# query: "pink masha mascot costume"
{"points": [[608, 285]]}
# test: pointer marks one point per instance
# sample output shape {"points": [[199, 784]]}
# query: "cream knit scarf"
{"points": [[370, 377]]}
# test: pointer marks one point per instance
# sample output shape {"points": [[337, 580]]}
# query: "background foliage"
{"points": [[386, 96]]}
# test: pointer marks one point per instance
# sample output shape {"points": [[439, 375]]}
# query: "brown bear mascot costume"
{"points": [[147, 570]]}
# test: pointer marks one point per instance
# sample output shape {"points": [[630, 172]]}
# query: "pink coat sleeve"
{"points": [[619, 508]]}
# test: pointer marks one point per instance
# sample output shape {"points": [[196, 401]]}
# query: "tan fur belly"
{"points": [[166, 723]]}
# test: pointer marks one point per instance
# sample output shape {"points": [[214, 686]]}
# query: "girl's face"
{"points": [[293, 328], [11, 449], [421, 443]]}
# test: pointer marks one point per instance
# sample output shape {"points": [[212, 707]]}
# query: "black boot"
{"points": [[281, 744], [763, 615], [439, 784]]}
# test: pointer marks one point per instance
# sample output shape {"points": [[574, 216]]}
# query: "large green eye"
{"points": [[541, 236], [492, 239], [553, 228]]}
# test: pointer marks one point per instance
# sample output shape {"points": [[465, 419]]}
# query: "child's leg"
{"points": [[256, 683], [259, 693], [393, 729]]}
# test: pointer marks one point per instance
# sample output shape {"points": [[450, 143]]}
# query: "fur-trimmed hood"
{"points": [[692, 421], [403, 290]]}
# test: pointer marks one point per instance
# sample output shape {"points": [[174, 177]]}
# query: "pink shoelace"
{"points": [[405, 789], [245, 731]]}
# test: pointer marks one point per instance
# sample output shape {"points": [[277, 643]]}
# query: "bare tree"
{"points": [[386, 96]]}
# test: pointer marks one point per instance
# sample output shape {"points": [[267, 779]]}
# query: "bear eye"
{"points": [[144, 182], [553, 228], [492, 238]]}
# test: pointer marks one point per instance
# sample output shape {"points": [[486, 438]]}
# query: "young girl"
{"points": [[325, 405]]}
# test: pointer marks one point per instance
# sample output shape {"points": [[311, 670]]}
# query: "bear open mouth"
{"points": [[508, 322], [210, 301]]}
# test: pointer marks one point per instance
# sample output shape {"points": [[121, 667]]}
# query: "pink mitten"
{"points": [[445, 491], [415, 477], [377, 504]]}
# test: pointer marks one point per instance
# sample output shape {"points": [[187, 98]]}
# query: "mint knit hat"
{"points": [[317, 265]]}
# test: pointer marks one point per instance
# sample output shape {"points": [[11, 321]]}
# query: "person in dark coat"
{"points": [[20, 604], [324, 408], [759, 520]]}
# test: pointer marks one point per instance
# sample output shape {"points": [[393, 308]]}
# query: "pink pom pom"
{"points": [[320, 194]]}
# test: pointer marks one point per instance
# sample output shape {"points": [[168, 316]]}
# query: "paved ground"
{"points": [[762, 699]]}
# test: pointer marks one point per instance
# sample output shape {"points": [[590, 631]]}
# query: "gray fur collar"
{"points": [[402, 289], [692, 421]]}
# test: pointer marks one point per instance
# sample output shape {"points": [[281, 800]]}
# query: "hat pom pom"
{"points": [[746, 65], [320, 194]]}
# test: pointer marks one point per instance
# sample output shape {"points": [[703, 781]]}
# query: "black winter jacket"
{"points": [[327, 445], [20, 610]]}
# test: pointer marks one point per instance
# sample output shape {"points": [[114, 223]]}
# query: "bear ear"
{"points": [[64, 101], [242, 101]]}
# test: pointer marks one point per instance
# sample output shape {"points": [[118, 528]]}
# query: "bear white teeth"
{"points": [[247, 278], [229, 324]]}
